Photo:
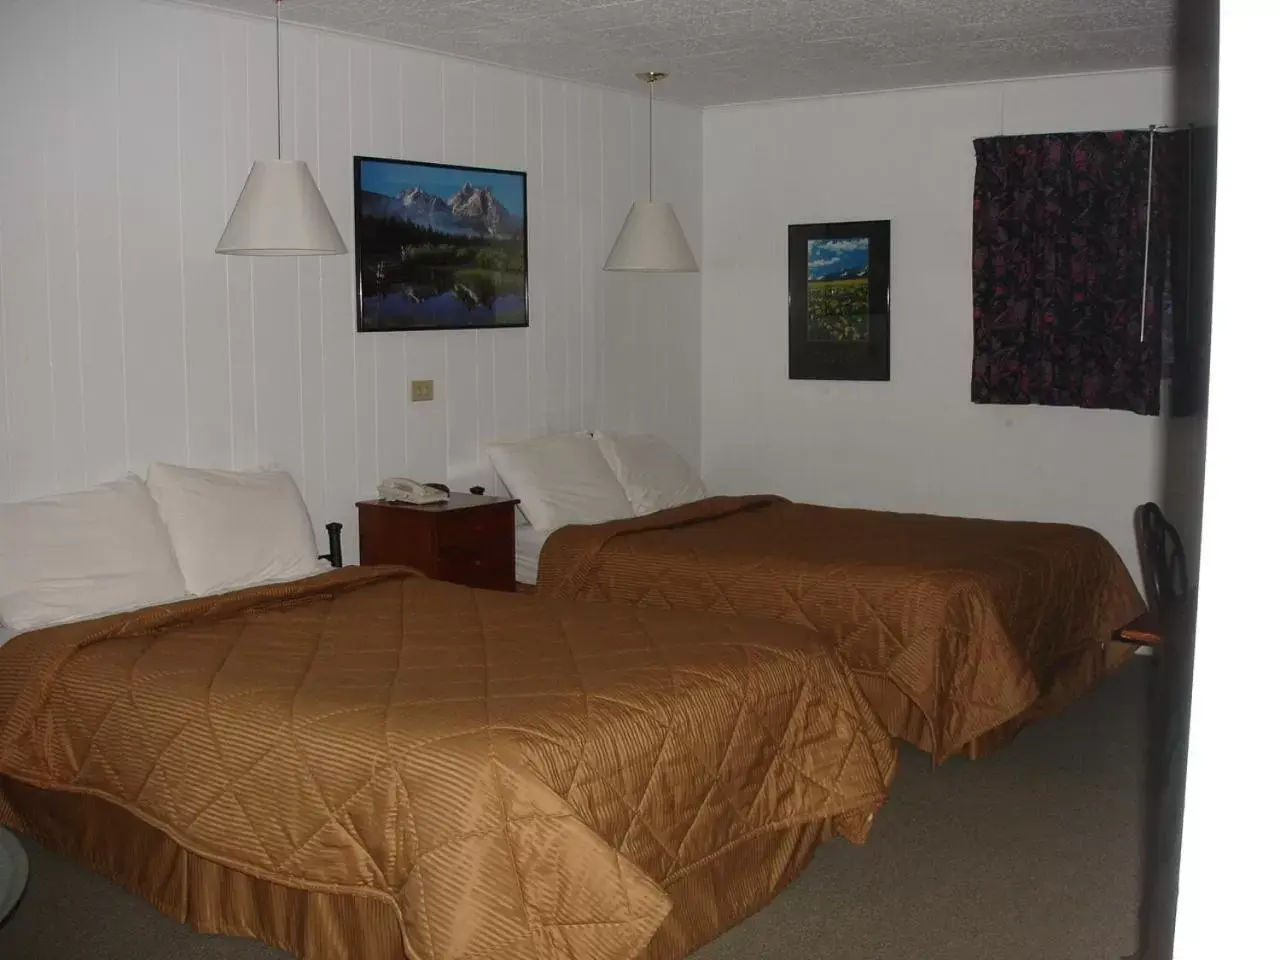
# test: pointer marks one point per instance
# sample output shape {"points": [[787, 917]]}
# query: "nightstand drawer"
{"points": [[479, 566], [465, 528]]}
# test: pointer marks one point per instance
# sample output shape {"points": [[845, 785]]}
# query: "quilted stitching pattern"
{"points": [[519, 778], [956, 627]]}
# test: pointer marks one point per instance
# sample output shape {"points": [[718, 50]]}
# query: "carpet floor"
{"points": [[1033, 852]]}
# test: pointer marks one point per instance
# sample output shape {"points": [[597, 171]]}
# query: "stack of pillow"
{"points": [[593, 477], [128, 544]]}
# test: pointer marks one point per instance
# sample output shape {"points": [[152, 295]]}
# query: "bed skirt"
{"points": [[203, 894], [312, 925], [1069, 679]]}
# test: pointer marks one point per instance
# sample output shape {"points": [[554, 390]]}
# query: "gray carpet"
{"points": [[1032, 852]]}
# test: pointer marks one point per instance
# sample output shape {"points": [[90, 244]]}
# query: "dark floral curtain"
{"points": [[1059, 238]]}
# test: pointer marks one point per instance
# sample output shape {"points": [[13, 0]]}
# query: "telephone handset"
{"points": [[404, 490]]}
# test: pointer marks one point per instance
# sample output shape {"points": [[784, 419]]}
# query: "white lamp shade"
{"points": [[280, 213], [651, 241]]}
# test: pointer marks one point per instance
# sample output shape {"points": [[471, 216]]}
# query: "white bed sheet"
{"points": [[529, 543]]}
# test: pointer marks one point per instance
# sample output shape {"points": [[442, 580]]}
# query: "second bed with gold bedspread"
{"points": [[958, 630], [372, 764]]}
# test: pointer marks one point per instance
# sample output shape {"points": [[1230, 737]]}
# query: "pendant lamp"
{"points": [[280, 212], [651, 240]]}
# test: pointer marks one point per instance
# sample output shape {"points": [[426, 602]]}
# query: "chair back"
{"points": [[1164, 564]]}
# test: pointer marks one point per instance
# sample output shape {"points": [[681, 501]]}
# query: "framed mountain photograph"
{"points": [[439, 247], [838, 281]]}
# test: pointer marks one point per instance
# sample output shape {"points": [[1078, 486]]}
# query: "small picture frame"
{"points": [[838, 284]]}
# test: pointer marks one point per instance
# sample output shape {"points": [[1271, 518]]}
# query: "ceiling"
{"points": [[734, 51]]}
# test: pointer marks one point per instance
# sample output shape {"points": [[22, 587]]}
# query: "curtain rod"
{"points": [[1150, 129]]}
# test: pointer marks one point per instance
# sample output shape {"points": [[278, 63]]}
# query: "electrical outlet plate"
{"points": [[420, 390]]}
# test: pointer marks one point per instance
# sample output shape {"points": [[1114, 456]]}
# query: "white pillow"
{"points": [[82, 555], [560, 479], [654, 476], [233, 530]]}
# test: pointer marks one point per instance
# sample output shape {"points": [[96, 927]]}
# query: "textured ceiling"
{"points": [[731, 51]]}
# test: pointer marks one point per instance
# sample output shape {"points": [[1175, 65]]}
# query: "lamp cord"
{"points": [[651, 141], [279, 108]]}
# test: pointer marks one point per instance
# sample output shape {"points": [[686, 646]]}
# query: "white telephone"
{"points": [[404, 490]]}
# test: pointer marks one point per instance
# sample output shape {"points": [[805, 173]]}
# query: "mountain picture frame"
{"points": [[439, 246], [838, 300]]}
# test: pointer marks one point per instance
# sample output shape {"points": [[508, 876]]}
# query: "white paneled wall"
{"points": [[126, 130]]}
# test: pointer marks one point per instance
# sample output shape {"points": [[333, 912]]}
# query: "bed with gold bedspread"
{"points": [[371, 764], [958, 630]]}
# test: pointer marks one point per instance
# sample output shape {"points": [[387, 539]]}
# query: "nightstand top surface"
{"points": [[456, 501]]}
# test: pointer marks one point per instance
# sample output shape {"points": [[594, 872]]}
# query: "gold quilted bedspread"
{"points": [[518, 778], [958, 629]]}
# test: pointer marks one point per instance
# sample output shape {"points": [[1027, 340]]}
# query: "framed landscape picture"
{"points": [[439, 247], [838, 281]]}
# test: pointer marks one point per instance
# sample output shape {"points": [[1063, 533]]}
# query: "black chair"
{"points": [[1164, 563], [1164, 575]]}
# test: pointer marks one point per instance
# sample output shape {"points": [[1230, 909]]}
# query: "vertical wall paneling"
{"points": [[676, 344], [391, 384], [426, 424], [24, 278], [553, 217], [616, 197], [510, 347], [333, 173], [537, 336], [93, 65], [276, 378], [203, 172], [485, 92], [592, 255], [368, 437], [462, 404], [130, 126], [238, 271], [303, 59], [570, 266], [6, 454], [8, 149], [150, 227], [63, 301], [637, 302]]}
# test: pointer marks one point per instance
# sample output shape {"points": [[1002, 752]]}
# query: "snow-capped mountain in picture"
{"points": [[473, 211], [440, 246]]}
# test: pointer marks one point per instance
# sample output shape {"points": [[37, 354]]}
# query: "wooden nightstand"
{"points": [[468, 540]]}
